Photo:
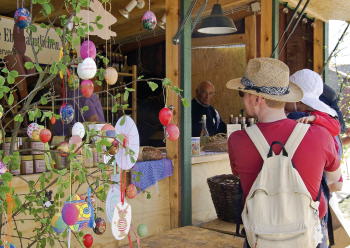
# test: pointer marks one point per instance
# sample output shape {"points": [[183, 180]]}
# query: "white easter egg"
{"points": [[87, 69], [78, 129]]}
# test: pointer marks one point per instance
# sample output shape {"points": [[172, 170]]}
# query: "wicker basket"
{"points": [[227, 197]]}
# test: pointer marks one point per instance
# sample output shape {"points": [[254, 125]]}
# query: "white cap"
{"points": [[311, 84]]}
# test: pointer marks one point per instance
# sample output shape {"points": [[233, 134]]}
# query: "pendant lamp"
{"points": [[217, 23]]}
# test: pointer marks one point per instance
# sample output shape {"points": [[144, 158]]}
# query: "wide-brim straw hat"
{"points": [[269, 78]]}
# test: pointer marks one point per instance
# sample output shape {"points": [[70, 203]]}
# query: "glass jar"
{"points": [[37, 145], [27, 166], [6, 146], [39, 163]]}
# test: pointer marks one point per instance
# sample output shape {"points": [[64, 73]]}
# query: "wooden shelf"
{"points": [[125, 74]]}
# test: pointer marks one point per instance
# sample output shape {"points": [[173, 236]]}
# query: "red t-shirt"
{"points": [[315, 154]]}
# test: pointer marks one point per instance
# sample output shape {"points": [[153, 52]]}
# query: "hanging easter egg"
{"points": [[142, 230], [70, 24], [53, 120], [131, 191], [111, 75], [88, 240], [113, 150], [100, 227], [78, 129], [36, 134], [75, 142], [57, 223], [149, 20], [88, 50], [108, 130], [165, 115], [45, 135], [63, 149], [87, 88], [173, 132], [31, 127], [3, 168], [87, 69], [73, 81], [22, 17], [8, 245], [67, 113], [70, 214]]}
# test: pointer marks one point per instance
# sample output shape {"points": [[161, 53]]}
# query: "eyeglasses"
{"points": [[241, 93]]}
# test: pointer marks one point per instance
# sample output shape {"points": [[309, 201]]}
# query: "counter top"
{"points": [[209, 157]]}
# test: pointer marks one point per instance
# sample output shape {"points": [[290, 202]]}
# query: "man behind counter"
{"points": [[201, 106]]}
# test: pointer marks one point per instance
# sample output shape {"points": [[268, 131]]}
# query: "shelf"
{"points": [[125, 74]]}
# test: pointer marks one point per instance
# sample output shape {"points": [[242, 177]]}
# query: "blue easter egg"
{"points": [[67, 113], [22, 17]]}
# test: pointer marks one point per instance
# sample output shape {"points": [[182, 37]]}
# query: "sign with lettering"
{"points": [[49, 42]]}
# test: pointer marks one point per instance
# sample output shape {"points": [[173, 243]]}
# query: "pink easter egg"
{"points": [[70, 214], [88, 50], [173, 132], [87, 88]]}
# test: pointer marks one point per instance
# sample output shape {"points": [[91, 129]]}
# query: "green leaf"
{"points": [[43, 100], [6, 177], [47, 8], [76, 41], [43, 25], [59, 31], [29, 65], [166, 82], [10, 99], [38, 68], [152, 85], [14, 73], [85, 108], [122, 122], [5, 70], [2, 80], [98, 18], [10, 79], [32, 28], [185, 102], [126, 96], [115, 108], [18, 118], [99, 25]]}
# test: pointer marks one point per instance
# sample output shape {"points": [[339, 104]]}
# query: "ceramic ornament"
{"points": [[131, 141], [165, 115], [107, 20], [149, 20], [31, 127], [113, 197], [173, 132], [78, 129], [87, 88], [57, 223], [3, 168], [88, 240], [73, 81], [111, 75], [131, 191], [87, 69], [88, 50], [100, 227], [45, 135], [67, 113], [142, 230], [22, 17], [70, 214], [121, 220]]}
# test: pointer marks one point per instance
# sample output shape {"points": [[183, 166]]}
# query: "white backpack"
{"points": [[279, 211]]}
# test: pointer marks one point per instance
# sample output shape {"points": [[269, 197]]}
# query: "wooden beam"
{"points": [[318, 59], [172, 73], [266, 28], [219, 40], [250, 37]]}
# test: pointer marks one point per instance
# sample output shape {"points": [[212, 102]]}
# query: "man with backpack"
{"points": [[280, 163]]}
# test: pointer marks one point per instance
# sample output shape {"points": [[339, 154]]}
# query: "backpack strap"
{"points": [[258, 140], [295, 138]]}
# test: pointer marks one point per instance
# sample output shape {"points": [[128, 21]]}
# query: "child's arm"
{"points": [[324, 120]]}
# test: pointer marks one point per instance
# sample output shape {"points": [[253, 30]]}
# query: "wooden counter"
{"points": [[203, 167]]}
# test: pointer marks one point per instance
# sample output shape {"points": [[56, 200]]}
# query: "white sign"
{"points": [[50, 46]]}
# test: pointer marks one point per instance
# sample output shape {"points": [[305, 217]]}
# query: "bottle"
{"points": [[204, 135], [243, 123], [231, 119]]}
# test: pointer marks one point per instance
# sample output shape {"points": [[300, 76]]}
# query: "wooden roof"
{"points": [[326, 9], [124, 28]]}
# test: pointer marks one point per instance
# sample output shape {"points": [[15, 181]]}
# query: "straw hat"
{"points": [[311, 84], [268, 78]]}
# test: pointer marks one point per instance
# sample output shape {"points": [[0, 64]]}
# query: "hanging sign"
{"points": [[49, 42]]}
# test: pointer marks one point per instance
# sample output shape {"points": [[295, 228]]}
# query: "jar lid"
{"points": [[27, 157], [39, 157]]}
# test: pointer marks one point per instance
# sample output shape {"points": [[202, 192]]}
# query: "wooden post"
{"points": [[172, 73], [266, 28], [250, 36], [318, 46]]}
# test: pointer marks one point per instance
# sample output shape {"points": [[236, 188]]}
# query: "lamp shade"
{"points": [[217, 23]]}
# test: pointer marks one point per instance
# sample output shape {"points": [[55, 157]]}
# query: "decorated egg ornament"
{"points": [[87, 69], [131, 191], [142, 230], [67, 113], [88, 50], [57, 223], [3, 168], [149, 20], [88, 240], [78, 129], [45, 135], [111, 75], [100, 227], [165, 116], [70, 214], [173, 132], [22, 17]]}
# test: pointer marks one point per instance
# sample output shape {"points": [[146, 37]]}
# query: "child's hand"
{"points": [[307, 119]]}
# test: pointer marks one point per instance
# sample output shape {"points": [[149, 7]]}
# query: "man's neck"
{"points": [[202, 104], [271, 115]]}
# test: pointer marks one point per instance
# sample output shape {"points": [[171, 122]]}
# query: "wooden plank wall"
{"points": [[266, 28], [318, 46]]}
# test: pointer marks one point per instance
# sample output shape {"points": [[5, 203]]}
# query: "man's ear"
{"points": [[259, 99]]}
